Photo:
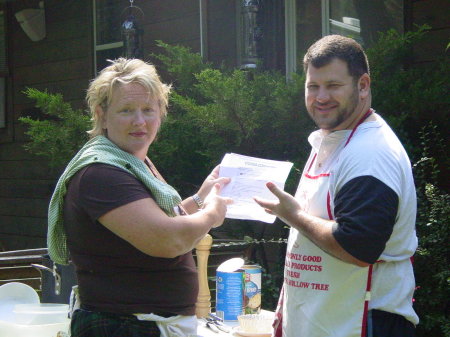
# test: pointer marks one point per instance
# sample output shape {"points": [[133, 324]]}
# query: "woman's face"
{"points": [[132, 119]]}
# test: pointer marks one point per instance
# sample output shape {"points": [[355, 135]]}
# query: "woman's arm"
{"points": [[144, 225]]}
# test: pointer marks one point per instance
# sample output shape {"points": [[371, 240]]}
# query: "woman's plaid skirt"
{"points": [[100, 324]]}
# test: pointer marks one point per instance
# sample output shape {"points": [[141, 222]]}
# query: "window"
{"points": [[3, 71], [309, 20], [107, 30], [364, 20]]}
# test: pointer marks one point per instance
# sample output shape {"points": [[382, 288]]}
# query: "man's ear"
{"points": [[364, 85], [101, 116]]}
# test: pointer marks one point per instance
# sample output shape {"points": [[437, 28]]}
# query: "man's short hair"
{"points": [[331, 47]]}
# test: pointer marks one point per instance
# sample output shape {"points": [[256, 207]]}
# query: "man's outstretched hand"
{"points": [[286, 207]]}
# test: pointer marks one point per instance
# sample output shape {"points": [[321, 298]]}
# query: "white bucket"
{"points": [[40, 313]]}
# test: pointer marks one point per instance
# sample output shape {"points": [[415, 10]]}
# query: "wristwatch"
{"points": [[198, 200]]}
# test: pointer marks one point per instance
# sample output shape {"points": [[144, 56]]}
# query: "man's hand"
{"points": [[286, 208]]}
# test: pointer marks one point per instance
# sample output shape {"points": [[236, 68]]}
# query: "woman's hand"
{"points": [[210, 181], [192, 206], [216, 205]]}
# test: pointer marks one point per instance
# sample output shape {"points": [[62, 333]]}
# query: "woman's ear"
{"points": [[101, 116], [364, 85]]}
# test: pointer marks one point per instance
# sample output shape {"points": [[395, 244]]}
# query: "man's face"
{"points": [[331, 96]]}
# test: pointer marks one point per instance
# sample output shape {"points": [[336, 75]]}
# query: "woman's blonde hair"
{"points": [[124, 71]]}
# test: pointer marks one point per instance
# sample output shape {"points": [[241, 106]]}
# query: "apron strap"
{"points": [[366, 302], [330, 214], [278, 321], [363, 118]]}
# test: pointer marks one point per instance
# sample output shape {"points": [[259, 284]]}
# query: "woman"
{"points": [[129, 234]]}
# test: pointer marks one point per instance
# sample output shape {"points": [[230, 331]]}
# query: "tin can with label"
{"points": [[252, 289], [229, 294]]}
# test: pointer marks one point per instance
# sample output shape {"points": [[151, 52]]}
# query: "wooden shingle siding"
{"points": [[60, 63], [434, 13], [50, 72]]}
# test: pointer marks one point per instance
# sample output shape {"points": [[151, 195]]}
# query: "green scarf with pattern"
{"points": [[101, 150]]}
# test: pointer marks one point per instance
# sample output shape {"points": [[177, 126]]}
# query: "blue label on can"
{"points": [[229, 295]]}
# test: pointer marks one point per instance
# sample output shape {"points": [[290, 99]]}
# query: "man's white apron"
{"points": [[323, 296]]}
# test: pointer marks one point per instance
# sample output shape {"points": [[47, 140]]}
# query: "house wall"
{"points": [[434, 13], [60, 63], [171, 23]]}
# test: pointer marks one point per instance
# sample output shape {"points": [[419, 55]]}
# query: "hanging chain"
{"points": [[131, 3]]}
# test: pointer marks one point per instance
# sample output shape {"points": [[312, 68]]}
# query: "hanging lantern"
{"points": [[132, 35], [251, 33]]}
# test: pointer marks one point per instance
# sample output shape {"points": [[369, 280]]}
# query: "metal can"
{"points": [[252, 289], [229, 294]]}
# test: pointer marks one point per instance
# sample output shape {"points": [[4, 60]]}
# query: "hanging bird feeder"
{"points": [[251, 33], [132, 33]]}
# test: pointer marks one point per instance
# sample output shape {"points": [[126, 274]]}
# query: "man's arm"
{"points": [[365, 211], [318, 230]]}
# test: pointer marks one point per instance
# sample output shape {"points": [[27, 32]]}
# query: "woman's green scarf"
{"points": [[101, 150]]}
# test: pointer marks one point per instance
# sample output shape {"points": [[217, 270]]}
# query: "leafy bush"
{"points": [[432, 258], [409, 96], [61, 134], [415, 102]]}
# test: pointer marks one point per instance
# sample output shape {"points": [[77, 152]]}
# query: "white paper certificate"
{"points": [[249, 176]]}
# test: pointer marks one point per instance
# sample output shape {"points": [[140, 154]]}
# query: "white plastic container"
{"points": [[8, 329], [40, 313], [256, 323], [14, 293]]}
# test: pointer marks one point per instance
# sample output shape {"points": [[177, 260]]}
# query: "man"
{"points": [[348, 268]]}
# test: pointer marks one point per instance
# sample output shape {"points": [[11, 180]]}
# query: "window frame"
{"points": [[3, 73], [290, 14], [6, 132], [291, 30], [100, 47]]}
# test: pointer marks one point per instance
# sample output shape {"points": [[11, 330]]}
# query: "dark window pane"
{"points": [[108, 54], [3, 70], [109, 20], [359, 19], [309, 25], [364, 19], [3, 65]]}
